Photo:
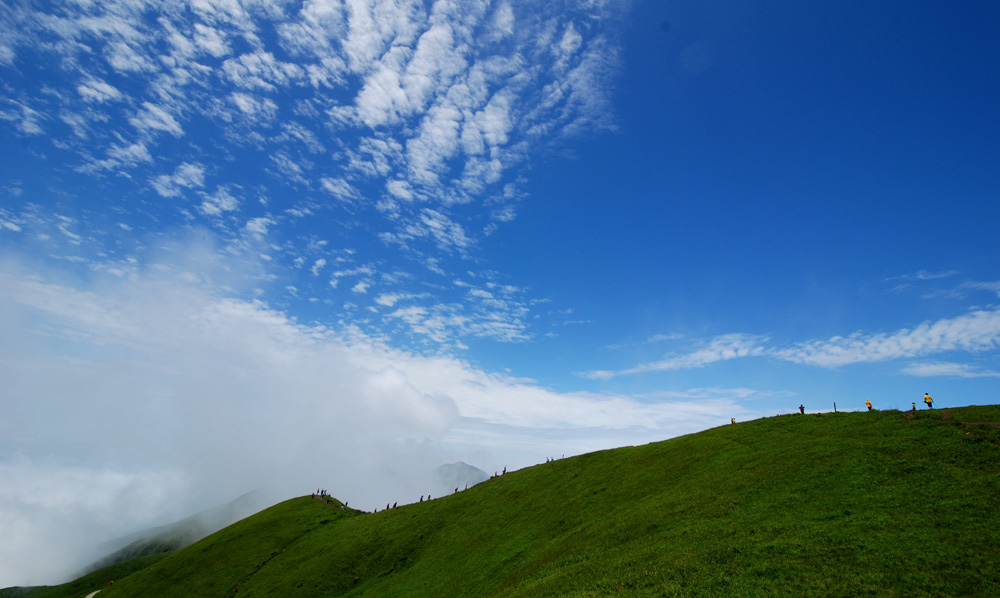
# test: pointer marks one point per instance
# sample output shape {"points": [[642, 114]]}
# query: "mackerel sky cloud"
{"points": [[491, 230]]}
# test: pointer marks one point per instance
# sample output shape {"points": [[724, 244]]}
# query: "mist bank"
{"points": [[135, 399]]}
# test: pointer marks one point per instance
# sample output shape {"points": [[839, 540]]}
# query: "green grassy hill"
{"points": [[177, 535], [849, 504]]}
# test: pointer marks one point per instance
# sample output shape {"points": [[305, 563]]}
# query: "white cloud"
{"points": [[26, 119], [53, 517], [660, 338], [925, 275], [993, 287], [721, 348], [186, 176], [126, 58], [155, 118], [570, 42], [390, 299], [290, 168], [219, 202], [260, 226], [121, 155], [340, 189], [972, 332], [482, 314], [293, 131], [443, 230], [318, 29], [211, 40], [943, 368], [256, 109], [95, 90], [260, 70], [317, 266]]}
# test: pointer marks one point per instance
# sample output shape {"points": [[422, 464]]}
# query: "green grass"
{"points": [[848, 504]]}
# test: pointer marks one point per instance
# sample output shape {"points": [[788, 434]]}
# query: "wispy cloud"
{"points": [[992, 287], [972, 332], [662, 338], [721, 348], [154, 118], [96, 90], [947, 369], [925, 275], [220, 202], [185, 176]]}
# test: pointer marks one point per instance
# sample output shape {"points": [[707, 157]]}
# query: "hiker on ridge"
{"points": [[869, 404], [928, 400], [802, 410]]}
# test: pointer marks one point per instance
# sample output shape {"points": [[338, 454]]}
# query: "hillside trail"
{"points": [[92, 594]]}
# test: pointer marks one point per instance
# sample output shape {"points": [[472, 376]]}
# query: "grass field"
{"points": [[848, 504]]}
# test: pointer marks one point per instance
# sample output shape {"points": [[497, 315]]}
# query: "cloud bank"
{"points": [[139, 394]]}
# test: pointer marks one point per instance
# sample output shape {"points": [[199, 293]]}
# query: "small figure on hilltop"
{"points": [[928, 400], [802, 410], [421, 498], [869, 404], [732, 420], [914, 407]]}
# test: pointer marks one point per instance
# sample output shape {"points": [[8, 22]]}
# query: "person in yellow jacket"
{"points": [[928, 400], [869, 403]]}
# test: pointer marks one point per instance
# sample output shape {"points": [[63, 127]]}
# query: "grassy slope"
{"points": [[836, 504]]}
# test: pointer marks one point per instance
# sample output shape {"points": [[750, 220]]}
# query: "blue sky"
{"points": [[240, 235]]}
